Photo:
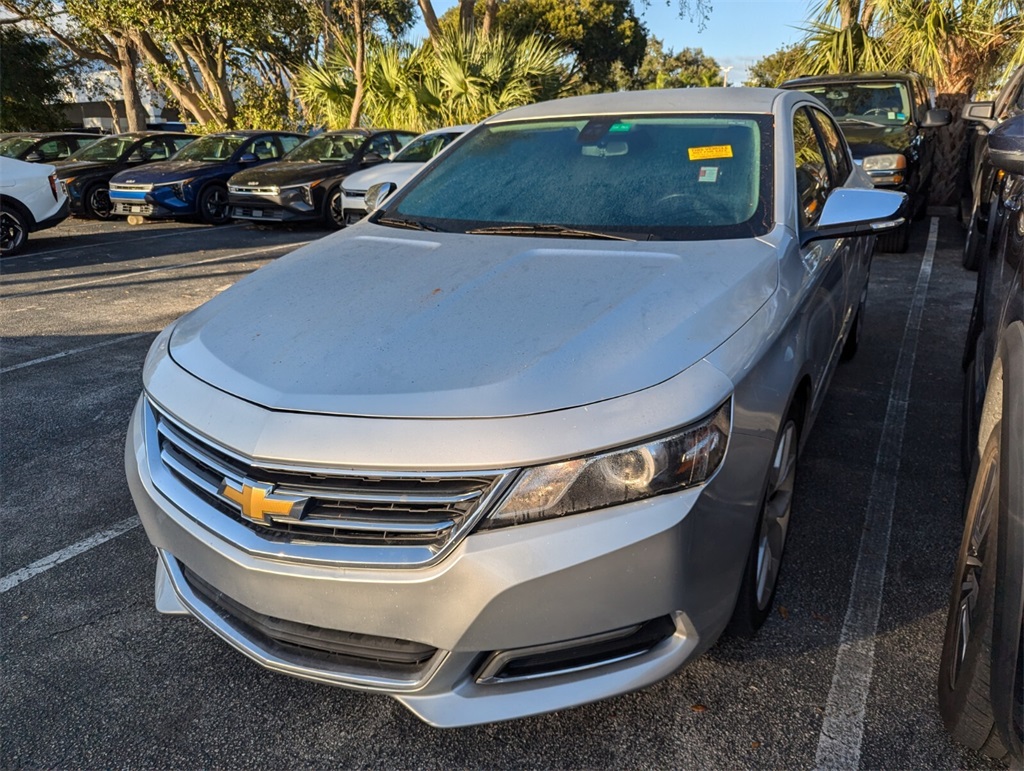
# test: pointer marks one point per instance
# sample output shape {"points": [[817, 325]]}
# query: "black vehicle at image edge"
{"points": [[306, 185], [981, 674], [85, 175], [886, 117]]}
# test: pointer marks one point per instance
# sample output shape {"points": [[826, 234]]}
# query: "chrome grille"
{"points": [[254, 189], [425, 512], [122, 186]]}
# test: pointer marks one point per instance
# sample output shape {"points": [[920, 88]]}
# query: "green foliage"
{"points": [[666, 69], [30, 83], [457, 80], [265, 106], [776, 68]]}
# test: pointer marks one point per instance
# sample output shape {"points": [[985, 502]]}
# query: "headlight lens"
{"points": [[307, 192], [178, 188], [892, 162], [683, 459]]}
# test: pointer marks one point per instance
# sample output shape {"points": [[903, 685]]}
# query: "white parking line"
{"points": [[842, 729], [11, 580], [122, 276], [71, 351], [119, 242]]}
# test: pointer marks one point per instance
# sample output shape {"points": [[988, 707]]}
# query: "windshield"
{"points": [[12, 147], [880, 103], [422, 149], [107, 149], [328, 147], [216, 148], [678, 177]]}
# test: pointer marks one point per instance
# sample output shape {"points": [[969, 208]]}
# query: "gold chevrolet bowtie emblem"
{"points": [[260, 503]]}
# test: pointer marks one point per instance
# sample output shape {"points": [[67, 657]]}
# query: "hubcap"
{"points": [[216, 203], [775, 520], [11, 232], [970, 573], [99, 202]]}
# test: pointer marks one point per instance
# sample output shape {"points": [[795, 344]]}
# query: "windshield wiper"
{"points": [[545, 230], [402, 222], [861, 121]]}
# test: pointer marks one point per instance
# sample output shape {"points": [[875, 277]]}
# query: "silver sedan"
{"points": [[527, 436]]}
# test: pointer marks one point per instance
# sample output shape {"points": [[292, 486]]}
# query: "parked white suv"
{"points": [[30, 200]]}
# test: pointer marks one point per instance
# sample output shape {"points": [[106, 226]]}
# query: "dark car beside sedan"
{"points": [[45, 147], [887, 118], [85, 175], [981, 674], [194, 182], [307, 184]]}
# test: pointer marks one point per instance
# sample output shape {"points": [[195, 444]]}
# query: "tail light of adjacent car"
{"points": [[53, 186]]}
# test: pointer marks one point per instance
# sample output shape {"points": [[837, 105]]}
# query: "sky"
{"points": [[738, 33]]}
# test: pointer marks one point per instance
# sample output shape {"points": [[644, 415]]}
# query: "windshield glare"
{"points": [[211, 149], [666, 177], [107, 149], [886, 104], [328, 147], [422, 149]]}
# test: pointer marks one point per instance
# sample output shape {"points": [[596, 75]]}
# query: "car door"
{"points": [[823, 260]]}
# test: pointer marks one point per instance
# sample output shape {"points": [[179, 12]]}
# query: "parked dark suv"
{"points": [[885, 117], [980, 197], [306, 185], [45, 147], [194, 182], [85, 175]]}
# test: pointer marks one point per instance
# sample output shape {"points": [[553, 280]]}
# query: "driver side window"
{"points": [[812, 182]]}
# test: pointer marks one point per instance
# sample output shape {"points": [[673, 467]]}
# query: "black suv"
{"points": [[981, 194], [884, 116]]}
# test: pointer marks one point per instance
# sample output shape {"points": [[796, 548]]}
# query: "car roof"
{"points": [[145, 134], [254, 133], [812, 80], [675, 100]]}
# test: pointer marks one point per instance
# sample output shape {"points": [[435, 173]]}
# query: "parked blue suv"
{"points": [[194, 182]]}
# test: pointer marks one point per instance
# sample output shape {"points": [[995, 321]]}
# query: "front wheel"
{"points": [[764, 563], [13, 231], [334, 215], [213, 205], [965, 696], [97, 202]]}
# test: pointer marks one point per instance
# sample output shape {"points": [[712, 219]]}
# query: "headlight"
{"points": [[307, 191], [683, 459], [178, 188], [893, 162]]}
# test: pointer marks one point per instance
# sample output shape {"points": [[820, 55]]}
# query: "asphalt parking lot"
{"points": [[94, 677]]}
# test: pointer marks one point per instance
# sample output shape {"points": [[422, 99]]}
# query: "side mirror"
{"points": [[33, 157], [372, 157], [980, 112], [248, 158], [937, 118], [1006, 145], [852, 212], [378, 194]]}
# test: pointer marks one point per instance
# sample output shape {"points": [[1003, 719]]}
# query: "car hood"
{"points": [[378, 322], [399, 173], [870, 140], [162, 172], [67, 169], [284, 173]]}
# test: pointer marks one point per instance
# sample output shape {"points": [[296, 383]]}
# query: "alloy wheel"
{"points": [[335, 209], [216, 205], [99, 202], [12, 233], [778, 506]]}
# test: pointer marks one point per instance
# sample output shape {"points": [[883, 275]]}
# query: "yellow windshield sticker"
{"points": [[710, 153]]}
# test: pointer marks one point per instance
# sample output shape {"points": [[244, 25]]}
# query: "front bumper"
{"points": [[500, 598], [55, 219], [354, 205], [160, 202], [288, 205]]}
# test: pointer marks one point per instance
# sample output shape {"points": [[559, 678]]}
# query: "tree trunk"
{"points": [[359, 68], [490, 17], [127, 68], [949, 141], [430, 20], [466, 17]]}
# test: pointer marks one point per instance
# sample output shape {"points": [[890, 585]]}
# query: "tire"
{"points": [[895, 241], [334, 215], [13, 230], [764, 562], [964, 691], [96, 201], [213, 205], [853, 338]]}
